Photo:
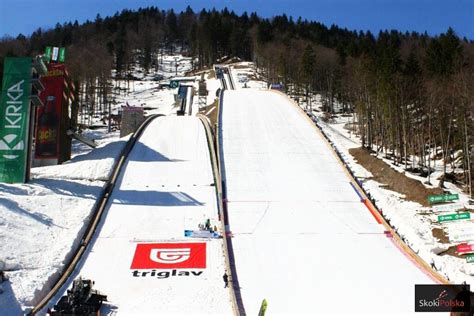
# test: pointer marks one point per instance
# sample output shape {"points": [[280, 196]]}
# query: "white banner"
{"points": [[55, 54], [460, 234], [447, 207]]}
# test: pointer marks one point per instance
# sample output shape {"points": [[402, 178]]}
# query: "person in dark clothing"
{"points": [[226, 279]]}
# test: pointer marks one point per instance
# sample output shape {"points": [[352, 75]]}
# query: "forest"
{"points": [[412, 93]]}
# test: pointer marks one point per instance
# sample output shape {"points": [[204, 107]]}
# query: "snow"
{"points": [[147, 94], [212, 85], [40, 221], [167, 186], [248, 72], [146, 91], [411, 220], [300, 232], [168, 69], [95, 165]]}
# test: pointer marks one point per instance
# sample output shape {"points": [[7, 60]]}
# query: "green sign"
{"points": [[55, 54], [47, 53], [454, 217], [442, 198], [14, 119], [62, 54], [173, 84], [470, 258]]}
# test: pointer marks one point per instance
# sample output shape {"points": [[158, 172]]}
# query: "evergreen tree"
{"points": [[307, 70]]}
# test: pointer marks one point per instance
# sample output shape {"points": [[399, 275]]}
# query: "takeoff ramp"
{"points": [[302, 238], [139, 257]]}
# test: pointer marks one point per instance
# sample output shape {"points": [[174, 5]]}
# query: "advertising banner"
{"points": [[201, 234], [447, 207], [48, 116], [460, 237], [276, 86], [48, 53], [55, 54], [465, 248], [460, 234], [454, 217], [14, 119], [442, 198], [62, 55], [170, 256], [470, 258]]}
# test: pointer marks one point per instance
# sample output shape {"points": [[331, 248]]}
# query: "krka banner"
{"points": [[14, 119]]}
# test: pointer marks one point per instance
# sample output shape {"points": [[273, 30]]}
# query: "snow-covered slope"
{"points": [[302, 239], [41, 222], [167, 186], [413, 222]]}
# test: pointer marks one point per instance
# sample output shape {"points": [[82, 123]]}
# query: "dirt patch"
{"points": [[212, 74], [253, 77], [392, 179], [230, 60], [241, 66], [440, 234], [452, 251], [213, 115]]}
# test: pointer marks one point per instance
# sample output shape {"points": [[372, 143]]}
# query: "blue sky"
{"points": [[434, 16]]}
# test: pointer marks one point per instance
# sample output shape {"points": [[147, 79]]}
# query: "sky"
{"points": [[433, 16]]}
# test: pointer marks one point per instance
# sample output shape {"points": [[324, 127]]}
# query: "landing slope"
{"points": [[167, 186], [302, 239]]}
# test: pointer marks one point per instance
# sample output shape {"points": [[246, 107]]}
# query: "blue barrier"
{"points": [[357, 192], [201, 234]]}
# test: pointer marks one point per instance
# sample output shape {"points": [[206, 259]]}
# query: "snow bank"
{"points": [[41, 221], [94, 165], [39, 226]]}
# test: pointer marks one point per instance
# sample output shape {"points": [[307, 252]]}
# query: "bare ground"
{"points": [[392, 179], [399, 182], [441, 235], [213, 115]]}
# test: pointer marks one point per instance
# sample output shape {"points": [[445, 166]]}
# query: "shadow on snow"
{"points": [[155, 198]]}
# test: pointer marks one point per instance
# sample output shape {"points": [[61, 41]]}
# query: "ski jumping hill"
{"points": [[140, 257], [302, 238]]}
